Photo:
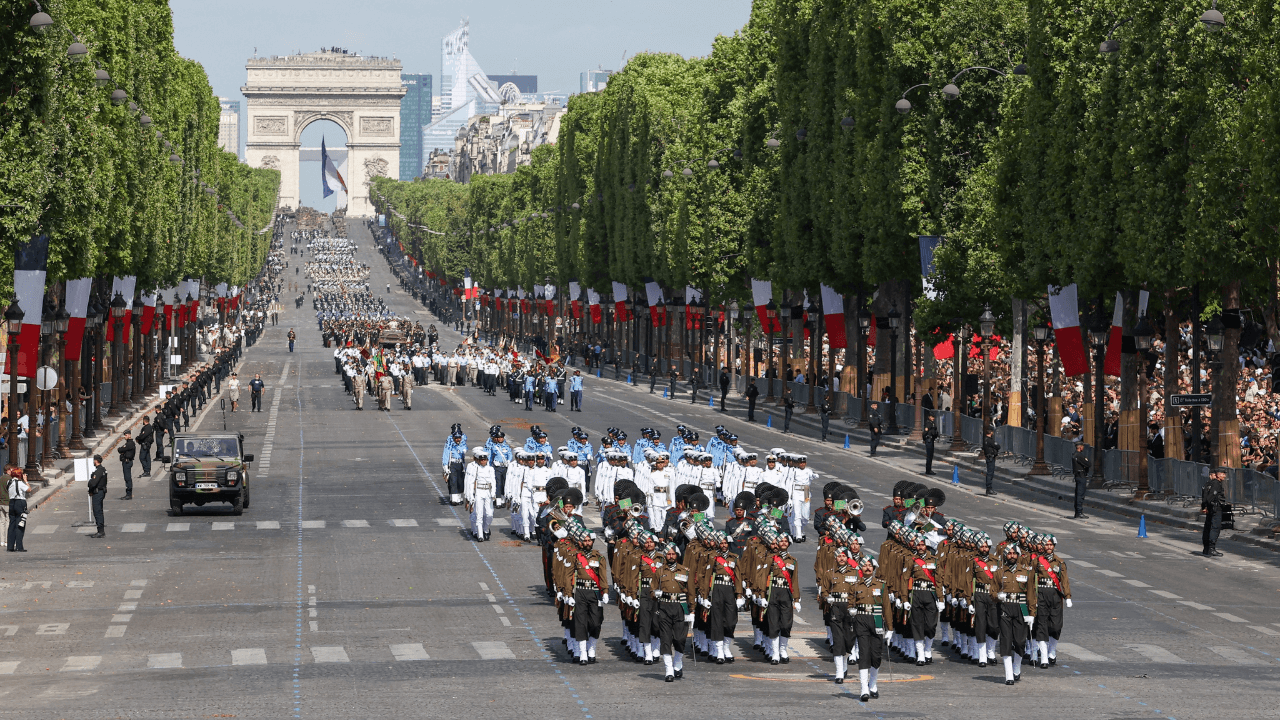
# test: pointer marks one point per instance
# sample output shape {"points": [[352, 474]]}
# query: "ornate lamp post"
{"points": [[1215, 336], [13, 320], [958, 366], [188, 334], [1098, 338], [864, 327], [771, 312], [731, 351], [75, 374], [118, 308], [138, 375], [1041, 333], [61, 322], [895, 320], [1142, 335], [97, 316], [987, 328]]}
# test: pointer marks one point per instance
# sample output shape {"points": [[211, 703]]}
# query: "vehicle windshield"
{"points": [[207, 447]]}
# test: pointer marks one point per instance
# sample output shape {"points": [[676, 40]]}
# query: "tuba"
{"points": [[556, 522]]}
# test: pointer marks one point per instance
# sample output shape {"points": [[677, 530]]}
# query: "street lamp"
{"points": [[1041, 333], [13, 319], [94, 320], [1215, 336], [62, 321], [770, 312], [895, 320], [1212, 19], [961, 336], [118, 308], [986, 328], [1142, 335], [864, 327], [1098, 338]]}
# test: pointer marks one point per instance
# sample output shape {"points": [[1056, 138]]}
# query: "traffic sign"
{"points": [[1192, 400]]}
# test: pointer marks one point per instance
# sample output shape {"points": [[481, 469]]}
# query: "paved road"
{"points": [[349, 589]]}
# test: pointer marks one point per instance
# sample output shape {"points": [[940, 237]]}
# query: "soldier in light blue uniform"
{"points": [[715, 446], [537, 441], [620, 443], [730, 450], [582, 447], [500, 456], [530, 382], [455, 454], [676, 448], [637, 453]]}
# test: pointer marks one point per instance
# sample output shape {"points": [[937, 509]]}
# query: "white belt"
{"points": [[484, 486]]}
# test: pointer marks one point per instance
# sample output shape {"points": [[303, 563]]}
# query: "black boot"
{"points": [[100, 534]]}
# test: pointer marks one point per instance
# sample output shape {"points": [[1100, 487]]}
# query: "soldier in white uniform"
{"points": [[517, 476], [662, 489], [708, 481], [576, 476], [802, 479], [479, 486]]}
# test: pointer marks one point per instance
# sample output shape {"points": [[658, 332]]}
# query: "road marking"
{"points": [[164, 660], [355, 523], [133, 527], [249, 656], [311, 589], [501, 522], [314, 625], [505, 621], [53, 629], [497, 609], [116, 631], [224, 526], [409, 651], [449, 522], [132, 594], [1084, 564], [127, 607], [1080, 653], [121, 618], [46, 584], [491, 598], [1194, 605], [330, 654], [1231, 618], [493, 651], [1167, 594], [138, 583], [1137, 583], [804, 648], [485, 587], [312, 524], [1264, 630], [1237, 656], [409, 522], [268, 525], [81, 662], [44, 529], [178, 527], [1111, 573], [8, 668], [1155, 653]]}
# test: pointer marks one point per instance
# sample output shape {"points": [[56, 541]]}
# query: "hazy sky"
{"points": [[555, 41]]}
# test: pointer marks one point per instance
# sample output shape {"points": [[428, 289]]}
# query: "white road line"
{"points": [[493, 651], [268, 525], [121, 618], [410, 522], [127, 607], [1167, 594], [355, 523], [1264, 630], [1237, 656], [449, 522], [1111, 573], [249, 656], [8, 668], [1081, 654], [132, 594], [409, 651], [505, 621], [1231, 618], [804, 648], [164, 660], [1194, 605], [1155, 653], [115, 631], [133, 527], [44, 529], [224, 526], [312, 524], [329, 654], [178, 527], [1137, 583], [1084, 564], [497, 609], [485, 587], [314, 625], [81, 662]]}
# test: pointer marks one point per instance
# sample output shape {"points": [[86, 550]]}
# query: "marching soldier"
{"points": [[479, 488], [781, 600], [455, 452], [586, 589], [1053, 591], [926, 598], [1015, 589], [672, 592]]}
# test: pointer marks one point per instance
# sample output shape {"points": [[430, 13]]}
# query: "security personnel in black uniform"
{"points": [[990, 451], [1212, 499], [875, 423], [128, 450], [146, 436], [930, 437], [98, 493]]}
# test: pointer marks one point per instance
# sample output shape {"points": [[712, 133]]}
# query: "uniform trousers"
{"points": [[500, 476], [1048, 615], [455, 480], [722, 616], [646, 616], [870, 642], [17, 524], [843, 634], [1013, 629], [588, 616], [986, 617], [924, 614], [672, 629], [481, 513], [779, 615], [98, 518]]}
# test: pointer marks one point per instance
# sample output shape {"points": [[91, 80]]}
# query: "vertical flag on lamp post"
{"points": [[620, 300], [657, 311], [148, 311], [549, 294], [469, 286], [593, 300], [1115, 339], [1065, 311], [833, 318], [761, 296], [78, 292], [575, 299]]}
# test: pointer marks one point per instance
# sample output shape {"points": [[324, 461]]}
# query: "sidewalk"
{"points": [[900, 451]]}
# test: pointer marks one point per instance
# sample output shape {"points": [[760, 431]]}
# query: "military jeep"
{"points": [[207, 469]]}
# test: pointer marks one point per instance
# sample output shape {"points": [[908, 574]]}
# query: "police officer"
{"points": [[930, 437], [128, 450], [875, 423], [990, 451], [255, 393], [1080, 466], [146, 436], [1212, 498], [18, 488], [98, 493]]}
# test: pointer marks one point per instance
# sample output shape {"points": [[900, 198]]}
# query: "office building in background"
{"points": [[594, 80], [229, 126], [415, 116]]}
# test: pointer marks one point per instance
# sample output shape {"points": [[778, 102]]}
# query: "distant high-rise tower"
{"points": [[415, 116], [462, 85], [229, 126], [594, 80]]}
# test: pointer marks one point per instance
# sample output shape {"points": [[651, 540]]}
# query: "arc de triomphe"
{"points": [[285, 94]]}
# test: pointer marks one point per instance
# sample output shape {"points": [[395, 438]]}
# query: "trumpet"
{"points": [[855, 507], [636, 511]]}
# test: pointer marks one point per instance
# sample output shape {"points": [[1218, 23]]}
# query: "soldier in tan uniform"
{"points": [[1015, 585], [672, 590], [1053, 592]]}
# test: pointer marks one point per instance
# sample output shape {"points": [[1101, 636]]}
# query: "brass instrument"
{"points": [[856, 507], [556, 521]]}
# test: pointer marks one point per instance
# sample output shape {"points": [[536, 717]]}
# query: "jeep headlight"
{"points": [[233, 475], [181, 477]]}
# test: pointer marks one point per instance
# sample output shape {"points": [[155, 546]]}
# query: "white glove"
{"points": [[897, 603], [888, 636], [604, 599], [761, 602], [1031, 619], [973, 610], [1001, 596], [743, 601], [747, 591], [954, 602], [559, 595], [891, 598], [657, 593], [1068, 602], [689, 618], [796, 604], [571, 602], [964, 603], [949, 598], [941, 605]]}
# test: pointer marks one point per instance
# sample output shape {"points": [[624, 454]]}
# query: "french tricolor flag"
{"points": [[620, 300], [833, 318], [469, 286], [761, 296], [575, 299], [593, 300], [657, 311], [29, 268], [1065, 311], [78, 292], [148, 311], [1115, 340]]}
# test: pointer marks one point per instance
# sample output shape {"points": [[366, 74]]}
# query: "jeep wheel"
{"points": [[175, 505], [246, 496], [237, 507]]}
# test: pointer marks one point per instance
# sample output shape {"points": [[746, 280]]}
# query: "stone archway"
{"points": [[362, 95]]}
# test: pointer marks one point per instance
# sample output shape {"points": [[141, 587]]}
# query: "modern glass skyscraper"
{"points": [[415, 116]]}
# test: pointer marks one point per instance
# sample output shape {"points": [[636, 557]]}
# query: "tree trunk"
{"points": [[1226, 375], [1173, 444]]}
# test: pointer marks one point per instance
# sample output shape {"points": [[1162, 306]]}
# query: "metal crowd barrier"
{"points": [[906, 416]]}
